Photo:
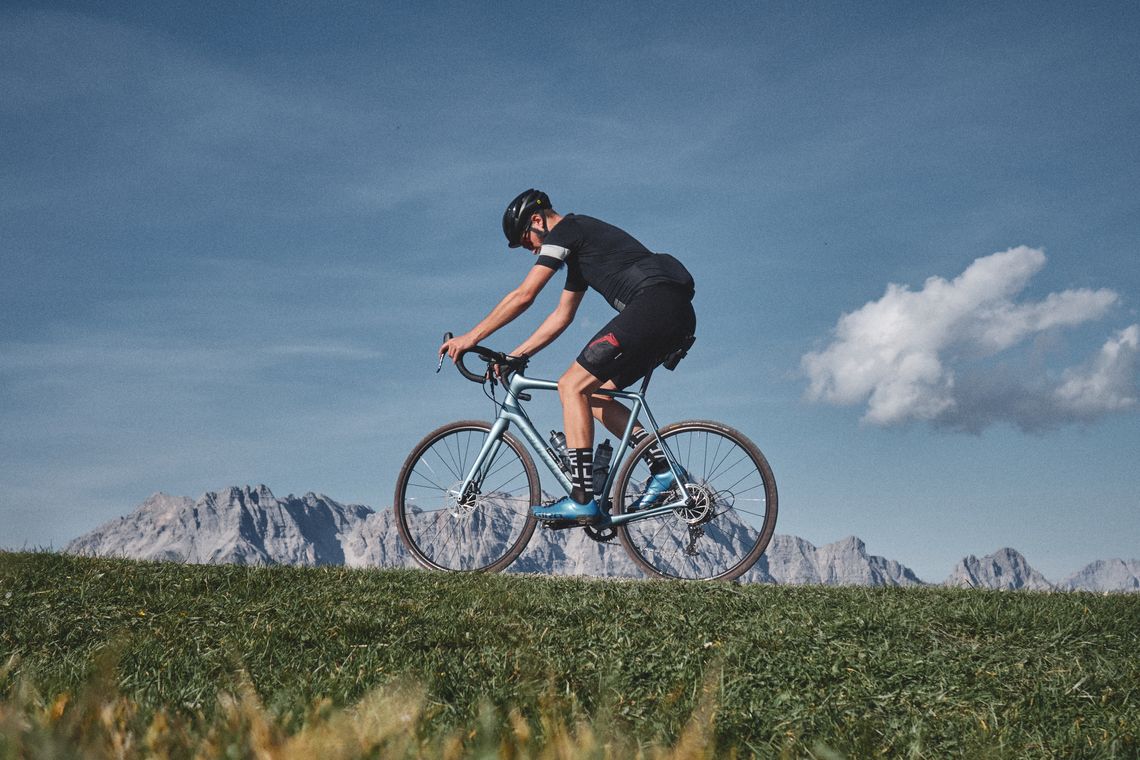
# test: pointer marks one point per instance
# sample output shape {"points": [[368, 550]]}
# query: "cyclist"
{"points": [[653, 296]]}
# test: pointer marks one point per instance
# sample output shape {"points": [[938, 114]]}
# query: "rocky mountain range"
{"points": [[1005, 569], [251, 526]]}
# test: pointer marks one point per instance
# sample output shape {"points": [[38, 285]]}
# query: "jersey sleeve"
{"points": [[552, 256], [558, 248], [575, 282]]}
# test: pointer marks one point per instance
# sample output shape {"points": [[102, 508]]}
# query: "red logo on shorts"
{"points": [[607, 338]]}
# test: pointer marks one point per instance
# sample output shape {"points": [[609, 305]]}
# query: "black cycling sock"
{"points": [[653, 456], [582, 474]]}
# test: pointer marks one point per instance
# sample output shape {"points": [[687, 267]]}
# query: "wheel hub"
{"points": [[462, 505], [700, 507]]}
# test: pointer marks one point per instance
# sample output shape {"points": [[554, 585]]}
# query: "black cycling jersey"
{"points": [[608, 259]]}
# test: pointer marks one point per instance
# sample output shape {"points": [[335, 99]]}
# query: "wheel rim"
{"points": [[447, 530], [728, 522]]}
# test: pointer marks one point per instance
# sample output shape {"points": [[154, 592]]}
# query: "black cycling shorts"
{"points": [[641, 336]]}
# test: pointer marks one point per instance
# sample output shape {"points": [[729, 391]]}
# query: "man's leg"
{"points": [[578, 404], [574, 390], [615, 416], [609, 411]]}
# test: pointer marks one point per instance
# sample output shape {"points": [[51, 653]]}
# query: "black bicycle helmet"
{"points": [[518, 214]]}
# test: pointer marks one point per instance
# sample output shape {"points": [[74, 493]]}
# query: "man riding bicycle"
{"points": [[653, 296]]}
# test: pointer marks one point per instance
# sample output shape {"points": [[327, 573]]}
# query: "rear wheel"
{"points": [[729, 518], [484, 529]]}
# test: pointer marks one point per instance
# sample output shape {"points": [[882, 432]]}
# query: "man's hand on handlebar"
{"points": [[453, 347], [499, 367], [504, 370]]}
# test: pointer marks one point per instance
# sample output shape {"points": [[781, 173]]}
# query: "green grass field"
{"points": [[127, 659]]}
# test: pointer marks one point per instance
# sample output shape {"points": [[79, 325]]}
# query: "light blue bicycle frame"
{"points": [[511, 411]]}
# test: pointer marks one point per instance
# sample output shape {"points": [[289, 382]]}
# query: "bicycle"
{"points": [[464, 494]]}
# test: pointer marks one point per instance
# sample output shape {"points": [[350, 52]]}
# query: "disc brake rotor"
{"points": [[701, 506], [461, 506]]}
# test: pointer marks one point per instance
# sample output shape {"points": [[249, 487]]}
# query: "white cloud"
{"points": [[1108, 382], [904, 355]]}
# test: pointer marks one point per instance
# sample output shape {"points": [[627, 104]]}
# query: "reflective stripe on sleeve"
{"points": [[554, 251]]}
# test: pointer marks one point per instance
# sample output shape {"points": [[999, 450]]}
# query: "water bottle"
{"points": [[558, 449], [602, 457]]}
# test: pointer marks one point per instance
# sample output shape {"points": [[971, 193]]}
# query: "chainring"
{"points": [[601, 535]]}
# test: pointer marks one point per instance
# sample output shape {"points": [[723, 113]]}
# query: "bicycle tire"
{"points": [[485, 532], [735, 509]]}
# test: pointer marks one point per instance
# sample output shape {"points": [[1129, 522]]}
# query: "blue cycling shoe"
{"points": [[568, 509], [657, 486]]}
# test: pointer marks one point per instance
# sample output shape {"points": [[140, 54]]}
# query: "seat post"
{"points": [[645, 382]]}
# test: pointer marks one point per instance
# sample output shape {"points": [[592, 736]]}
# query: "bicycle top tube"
{"points": [[519, 382]]}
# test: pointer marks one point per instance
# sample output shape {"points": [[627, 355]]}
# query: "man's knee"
{"points": [[577, 381], [599, 401]]}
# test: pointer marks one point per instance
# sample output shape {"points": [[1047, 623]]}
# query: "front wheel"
{"points": [[729, 518], [485, 527]]}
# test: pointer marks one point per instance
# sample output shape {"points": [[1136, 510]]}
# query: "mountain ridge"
{"points": [[249, 525]]}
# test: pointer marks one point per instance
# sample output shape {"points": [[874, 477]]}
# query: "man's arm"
{"points": [[513, 304], [553, 325]]}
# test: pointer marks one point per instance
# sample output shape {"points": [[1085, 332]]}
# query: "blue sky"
{"points": [[230, 240]]}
